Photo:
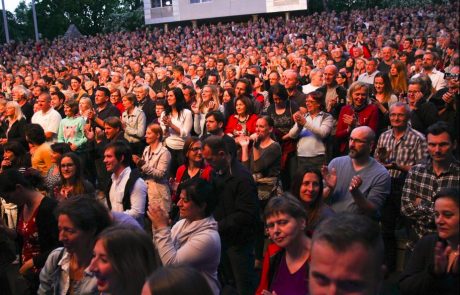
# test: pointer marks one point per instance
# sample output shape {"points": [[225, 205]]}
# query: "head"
{"points": [[57, 150], [399, 115], [115, 96], [102, 96], [243, 87], [44, 102], [80, 220], [85, 104], [244, 106], [71, 107], [15, 152], [20, 187], [277, 94], [75, 83], [197, 199], [215, 121], [175, 99], [446, 214], [285, 219], [57, 99], [429, 60], [382, 84], [291, 79], [129, 101], [441, 142], [315, 102], [358, 93], [346, 256], [371, 65], [193, 151], [274, 78], [172, 280], [361, 142], [122, 260], [307, 186], [117, 156], [141, 92], [153, 133], [216, 153], [159, 107], [329, 75], [13, 110], [112, 126], [70, 168], [35, 135]]}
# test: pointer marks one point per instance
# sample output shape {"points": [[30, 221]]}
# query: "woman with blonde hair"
{"points": [[14, 125], [398, 77], [207, 100]]}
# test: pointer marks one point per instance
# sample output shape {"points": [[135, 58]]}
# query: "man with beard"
{"points": [[357, 183], [215, 122], [430, 59]]}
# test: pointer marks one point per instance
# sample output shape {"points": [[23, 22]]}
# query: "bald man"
{"points": [[357, 183]]}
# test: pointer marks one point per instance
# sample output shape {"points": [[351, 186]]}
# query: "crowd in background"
{"points": [[204, 140]]}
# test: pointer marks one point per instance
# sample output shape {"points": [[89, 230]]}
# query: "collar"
{"points": [[123, 173]]}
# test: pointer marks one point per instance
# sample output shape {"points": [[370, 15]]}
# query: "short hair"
{"points": [[73, 105], [104, 89], [286, 204], [247, 82], [178, 68], [216, 144], [122, 152], [440, 127], [113, 122], [343, 230], [201, 192], [318, 96], [76, 78], [130, 96], [46, 96], [279, 90], [172, 280], [60, 95], [60, 148], [131, 254], [86, 213], [401, 104], [218, 116], [35, 134], [451, 193], [355, 86]]}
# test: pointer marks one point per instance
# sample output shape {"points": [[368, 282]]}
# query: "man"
{"points": [[437, 77], [75, 86], [291, 82], [371, 71], [202, 79], [423, 113], [179, 77], [145, 103], [161, 85], [346, 257], [407, 47], [104, 108], [334, 94], [221, 70], [337, 57], [57, 102], [387, 59], [316, 78], [398, 149], [440, 170], [191, 71], [215, 121], [127, 191], [213, 78], [358, 183], [48, 118], [237, 214]]}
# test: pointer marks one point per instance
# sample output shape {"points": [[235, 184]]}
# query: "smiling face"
{"points": [[71, 237], [102, 268], [446, 218], [206, 94], [240, 108], [379, 84], [309, 189], [188, 209], [284, 229], [195, 152], [67, 168], [359, 96]]}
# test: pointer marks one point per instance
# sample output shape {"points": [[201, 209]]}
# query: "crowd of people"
{"points": [[179, 152]]}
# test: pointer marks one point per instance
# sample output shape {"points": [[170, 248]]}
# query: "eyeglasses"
{"points": [[357, 140], [195, 149]]}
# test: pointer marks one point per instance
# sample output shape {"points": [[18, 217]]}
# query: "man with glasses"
{"points": [[423, 113], [357, 183], [398, 149]]}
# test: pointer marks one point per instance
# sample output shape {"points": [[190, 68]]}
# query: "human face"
{"points": [[263, 130], [188, 209], [43, 103], [100, 98], [159, 109], [240, 89], [379, 84], [140, 93], [371, 67], [217, 161], [393, 70], [84, 105], [102, 268], [212, 80], [109, 131], [359, 144], [313, 107], [414, 94], [353, 271], [10, 111], [194, 153], [440, 147], [446, 218], [309, 189], [171, 98], [240, 108], [329, 75], [68, 111], [206, 94], [114, 97], [386, 54], [284, 230], [398, 117], [127, 104], [67, 168], [110, 160], [71, 237], [359, 96], [428, 62], [74, 85], [151, 136], [290, 80], [212, 125], [273, 79]]}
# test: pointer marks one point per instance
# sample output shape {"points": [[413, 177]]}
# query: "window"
{"points": [[161, 3], [199, 1]]}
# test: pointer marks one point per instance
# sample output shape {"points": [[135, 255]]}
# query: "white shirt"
{"points": [[436, 77], [184, 121], [49, 121], [138, 195], [367, 78], [309, 88]]}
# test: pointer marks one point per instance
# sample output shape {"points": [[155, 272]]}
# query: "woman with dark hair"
{"points": [[174, 280], [307, 186], [194, 240], [36, 232], [71, 128], [434, 265], [398, 77], [123, 258], [243, 122], [285, 266], [72, 180], [80, 220], [39, 148], [383, 98], [15, 156], [228, 97], [176, 122], [53, 177]]}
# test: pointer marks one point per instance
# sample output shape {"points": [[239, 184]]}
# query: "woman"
{"points": [[358, 113], [194, 167], [285, 267], [359, 68], [194, 240], [384, 99], [176, 122], [228, 97], [123, 258], [53, 177], [15, 157], [243, 122], [434, 267], [307, 186], [134, 123], [15, 125], [71, 128], [207, 101], [154, 165], [80, 220], [39, 148], [85, 107], [172, 280], [342, 79], [398, 77], [259, 93], [115, 99], [72, 181], [36, 232]]}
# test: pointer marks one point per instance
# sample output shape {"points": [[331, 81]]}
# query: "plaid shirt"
{"points": [[411, 149], [423, 183]]}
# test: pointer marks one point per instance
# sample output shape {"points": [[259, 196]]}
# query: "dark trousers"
{"points": [[177, 159], [316, 162], [391, 217], [237, 268]]}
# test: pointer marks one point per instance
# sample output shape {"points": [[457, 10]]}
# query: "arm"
{"points": [[80, 138], [268, 158], [61, 132], [161, 168], [139, 129], [48, 279], [197, 124], [342, 128], [324, 130], [138, 200], [409, 206]]}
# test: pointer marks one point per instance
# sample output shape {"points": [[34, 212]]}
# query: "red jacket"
{"points": [[235, 128]]}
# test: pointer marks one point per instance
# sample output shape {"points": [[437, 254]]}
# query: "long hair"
{"points": [[387, 88], [77, 179], [399, 82], [180, 101], [214, 98], [132, 257]]}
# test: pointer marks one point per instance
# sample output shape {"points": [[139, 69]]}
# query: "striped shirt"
{"points": [[409, 150]]}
